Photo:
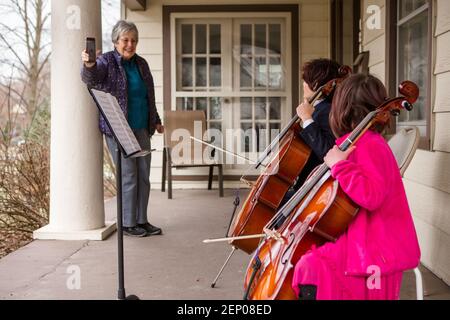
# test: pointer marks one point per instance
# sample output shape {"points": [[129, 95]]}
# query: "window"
{"points": [[413, 61]]}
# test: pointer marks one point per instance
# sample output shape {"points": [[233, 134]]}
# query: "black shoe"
{"points": [[134, 231], [150, 229], [307, 292]]}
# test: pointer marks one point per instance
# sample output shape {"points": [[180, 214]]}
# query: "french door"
{"points": [[238, 71]]}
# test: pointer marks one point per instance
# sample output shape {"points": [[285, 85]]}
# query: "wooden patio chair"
{"points": [[182, 152]]}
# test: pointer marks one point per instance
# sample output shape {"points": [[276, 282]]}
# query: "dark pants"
{"points": [[135, 181], [307, 292]]}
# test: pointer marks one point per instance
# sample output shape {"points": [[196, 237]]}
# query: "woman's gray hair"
{"points": [[122, 27]]}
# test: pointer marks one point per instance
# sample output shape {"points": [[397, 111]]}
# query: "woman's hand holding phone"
{"points": [[89, 55], [85, 59]]}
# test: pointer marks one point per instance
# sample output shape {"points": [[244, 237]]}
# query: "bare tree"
{"points": [[25, 38]]}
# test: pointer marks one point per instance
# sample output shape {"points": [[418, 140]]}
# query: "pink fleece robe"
{"points": [[368, 260]]}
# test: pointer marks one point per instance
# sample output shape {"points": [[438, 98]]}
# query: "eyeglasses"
{"points": [[126, 40]]}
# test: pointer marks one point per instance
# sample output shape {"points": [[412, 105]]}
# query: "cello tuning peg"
{"points": [[408, 106], [395, 112]]}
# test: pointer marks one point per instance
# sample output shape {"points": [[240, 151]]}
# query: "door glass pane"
{"points": [[215, 105], [214, 38], [260, 72], [215, 74], [202, 104], [275, 108], [275, 73], [246, 72], [215, 128], [260, 39], [186, 38], [185, 103], [186, 72], [200, 38], [200, 72], [246, 108], [260, 108], [275, 129], [247, 137], [261, 136], [274, 39], [215, 125], [246, 38], [408, 6]]}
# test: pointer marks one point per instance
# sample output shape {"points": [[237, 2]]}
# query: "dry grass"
{"points": [[24, 187], [25, 192]]}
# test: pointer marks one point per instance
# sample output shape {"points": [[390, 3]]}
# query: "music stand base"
{"points": [[130, 297]]}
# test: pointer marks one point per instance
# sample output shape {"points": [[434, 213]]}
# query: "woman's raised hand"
{"points": [[85, 58]]}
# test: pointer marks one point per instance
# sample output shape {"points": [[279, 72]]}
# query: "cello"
{"points": [[319, 212], [280, 174]]}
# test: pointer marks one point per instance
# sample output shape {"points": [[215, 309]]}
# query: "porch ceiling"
{"points": [[135, 5]]}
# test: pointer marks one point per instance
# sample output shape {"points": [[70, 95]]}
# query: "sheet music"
{"points": [[119, 125]]}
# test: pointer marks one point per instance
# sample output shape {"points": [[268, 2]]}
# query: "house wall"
{"points": [[427, 180], [374, 40], [314, 42]]}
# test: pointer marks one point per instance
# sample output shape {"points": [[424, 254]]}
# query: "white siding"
{"points": [[375, 40], [442, 72], [427, 180], [442, 102]]}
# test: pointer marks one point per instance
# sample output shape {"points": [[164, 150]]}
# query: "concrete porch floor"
{"points": [[176, 265]]}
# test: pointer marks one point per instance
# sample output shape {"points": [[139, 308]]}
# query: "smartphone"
{"points": [[90, 48]]}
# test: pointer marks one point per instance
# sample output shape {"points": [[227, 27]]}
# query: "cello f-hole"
{"points": [[291, 242]]}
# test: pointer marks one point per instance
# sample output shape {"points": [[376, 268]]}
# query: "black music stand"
{"points": [[130, 148]]}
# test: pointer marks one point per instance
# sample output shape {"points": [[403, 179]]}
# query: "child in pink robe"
{"points": [[368, 260]]}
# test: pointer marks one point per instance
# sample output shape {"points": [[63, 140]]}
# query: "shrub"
{"points": [[24, 187]]}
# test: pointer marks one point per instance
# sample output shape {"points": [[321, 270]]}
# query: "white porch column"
{"points": [[76, 165]]}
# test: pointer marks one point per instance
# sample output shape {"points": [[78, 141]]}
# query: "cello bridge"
{"points": [[275, 235]]}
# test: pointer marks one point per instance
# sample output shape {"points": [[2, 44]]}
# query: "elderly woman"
{"points": [[127, 76]]}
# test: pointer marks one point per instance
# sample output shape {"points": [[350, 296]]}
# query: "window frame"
{"points": [[337, 29], [393, 25]]}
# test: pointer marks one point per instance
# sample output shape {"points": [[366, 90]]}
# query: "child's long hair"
{"points": [[357, 96]]}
